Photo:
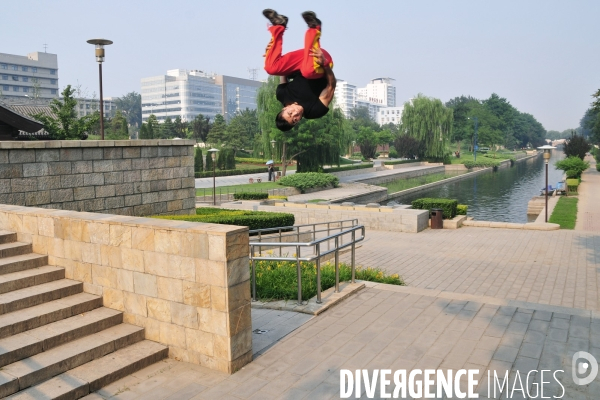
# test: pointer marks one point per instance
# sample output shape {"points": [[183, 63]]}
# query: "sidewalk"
{"points": [[234, 180], [588, 212]]}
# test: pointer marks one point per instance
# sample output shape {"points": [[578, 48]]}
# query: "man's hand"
{"points": [[317, 53]]}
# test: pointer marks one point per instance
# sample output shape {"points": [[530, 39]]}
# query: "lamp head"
{"points": [[547, 151], [213, 153], [273, 144], [100, 43]]}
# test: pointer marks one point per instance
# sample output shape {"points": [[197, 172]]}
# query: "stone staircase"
{"points": [[55, 340]]}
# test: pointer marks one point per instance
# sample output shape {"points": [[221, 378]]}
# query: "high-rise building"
{"points": [[186, 94], [345, 96], [379, 91], [31, 78]]}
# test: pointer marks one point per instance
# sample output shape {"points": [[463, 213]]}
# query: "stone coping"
{"points": [[329, 299], [52, 144], [483, 299], [191, 227], [531, 226]]}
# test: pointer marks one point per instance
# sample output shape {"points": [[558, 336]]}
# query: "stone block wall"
{"points": [[125, 177], [187, 284]]}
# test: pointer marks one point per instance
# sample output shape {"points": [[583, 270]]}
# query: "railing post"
{"points": [[279, 242], [353, 255], [259, 246], [318, 261], [337, 265], [299, 271], [328, 234], [253, 275]]}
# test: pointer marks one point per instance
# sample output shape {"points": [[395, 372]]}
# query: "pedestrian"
{"points": [[307, 82], [271, 172]]}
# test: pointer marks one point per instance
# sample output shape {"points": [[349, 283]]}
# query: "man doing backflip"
{"points": [[307, 80]]}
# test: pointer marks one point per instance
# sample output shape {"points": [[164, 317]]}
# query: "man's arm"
{"points": [[327, 93]]}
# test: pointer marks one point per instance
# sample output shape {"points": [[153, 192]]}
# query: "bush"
{"points": [[209, 173], [277, 280], [482, 163], [272, 197], [198, 163], [308, 180], [250, 160], [576, 146], [461, 209], [573, 163], [347, 168], [393, 152], [399, 162], [572, 174], [250, 196], [447, 205], [251, 219]]}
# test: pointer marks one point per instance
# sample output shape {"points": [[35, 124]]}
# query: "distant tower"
{"points": [[45, 47], [252, 73]]}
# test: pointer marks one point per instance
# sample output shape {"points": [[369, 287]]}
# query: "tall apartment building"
{"points": [[31, 78], [378, 94], [379, 91], [186, 94]]}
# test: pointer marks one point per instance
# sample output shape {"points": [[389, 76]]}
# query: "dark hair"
{"points": [[281, 123]]}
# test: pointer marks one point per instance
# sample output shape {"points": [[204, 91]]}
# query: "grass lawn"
{"points": [[468, 156], [403, 184], [565, 213], [250, 187]]}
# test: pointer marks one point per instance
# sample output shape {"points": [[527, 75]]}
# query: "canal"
{"points": [[498, 196]]}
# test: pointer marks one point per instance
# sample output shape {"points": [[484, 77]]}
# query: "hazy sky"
{"points": [[543, 56]]}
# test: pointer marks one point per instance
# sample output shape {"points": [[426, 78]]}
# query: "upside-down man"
{"points": [[307, 80]]}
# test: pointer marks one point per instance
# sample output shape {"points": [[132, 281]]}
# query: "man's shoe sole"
{"points": [[274, 17]]}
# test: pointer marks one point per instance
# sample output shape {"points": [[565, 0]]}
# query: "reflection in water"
{"points": [[499, 196]]}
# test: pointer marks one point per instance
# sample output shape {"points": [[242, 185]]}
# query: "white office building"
{"points": [[345, 96], [388, 115], [89, 106], [379, 91], [31, 78], [377, 95], [186, 94]]}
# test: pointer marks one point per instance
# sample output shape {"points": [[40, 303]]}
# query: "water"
{"points": [[498, 196]]}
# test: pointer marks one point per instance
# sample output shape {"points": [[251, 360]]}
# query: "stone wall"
{"points": [[186, 283], [126, 177]]}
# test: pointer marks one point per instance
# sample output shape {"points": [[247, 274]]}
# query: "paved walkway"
{"points": [[377, 174], [479, 298], [588, 212], [234, 180], [345, 190]]}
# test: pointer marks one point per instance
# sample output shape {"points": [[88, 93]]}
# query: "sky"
{"points": [[541, 55]]}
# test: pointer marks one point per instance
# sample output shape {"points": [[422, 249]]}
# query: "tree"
{"points": [[200, 127], [209, 162], [180, 128], [131, 107], [64, 124], [149, 129], [241, 129], [428, 121], [408, 147], [117, 128], [576, 146], [216, 135], [167, 129], [367, 140], [198, 162]]}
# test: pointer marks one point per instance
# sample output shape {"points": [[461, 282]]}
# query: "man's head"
{"points": [[289, 116]]}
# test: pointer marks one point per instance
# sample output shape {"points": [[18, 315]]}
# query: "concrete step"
{"points": [[32, 296], [30, 277], [94, 375], [14, 249], [40, 367], [22, 262], [7, 236], [43, 314], [44, 338]]}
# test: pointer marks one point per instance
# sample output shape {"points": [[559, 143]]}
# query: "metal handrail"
{"points": [[317, 254]]}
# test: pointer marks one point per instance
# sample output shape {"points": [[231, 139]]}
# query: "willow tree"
{"points": [[313, 143], [427, 120]]}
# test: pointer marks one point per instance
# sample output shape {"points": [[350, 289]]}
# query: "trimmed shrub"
{"points": [[572, 174], [208, 166], [447, 205], [347, 168], [198, 163], [250, 160], [209, 173], [400, 162], [308, 180], [251, 219], [284, 198], [482, 163], [250, 196], [573, 164], [461, 209]]}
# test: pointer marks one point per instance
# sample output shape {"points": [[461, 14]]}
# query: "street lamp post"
{"points": [[100, 43], [547, 153], [475, 147], [213, 155]]}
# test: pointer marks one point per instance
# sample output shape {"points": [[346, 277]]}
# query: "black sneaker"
{"points": [[311, 19], [275, 18]]}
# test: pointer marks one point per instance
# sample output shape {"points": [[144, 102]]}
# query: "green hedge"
{"points": [[250, 160], [400, 162], [250, 196], [251, 219], [246, 171], [461, 209], [308, 180], [347, 168], [448, 205], [482, 163]]}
